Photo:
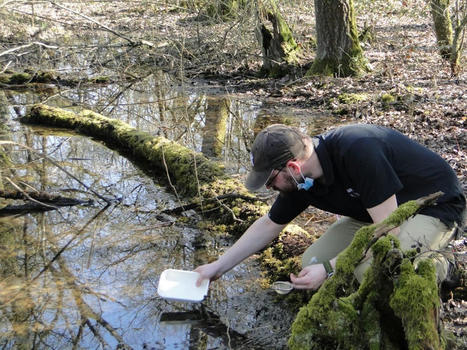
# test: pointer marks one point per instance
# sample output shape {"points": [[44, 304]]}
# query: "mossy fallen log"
{"points": [[186, 170], [37, 79], [189, 173], [394, 307]]}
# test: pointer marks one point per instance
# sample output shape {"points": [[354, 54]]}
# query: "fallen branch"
{"points": [[42, 197], [41, 202], [25, 195]]}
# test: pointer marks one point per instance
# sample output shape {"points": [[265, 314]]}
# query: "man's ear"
{"points": [[293, 166]]}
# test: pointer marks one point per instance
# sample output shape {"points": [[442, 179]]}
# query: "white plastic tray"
{"points": [[180, 285]]}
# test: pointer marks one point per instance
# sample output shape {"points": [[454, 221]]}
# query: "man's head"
{"points": [[273, 147]]}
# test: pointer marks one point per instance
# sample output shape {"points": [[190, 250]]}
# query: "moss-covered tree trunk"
{"points": [[395, 307], [278, 47], [457, 45], [189, 173], [338, 48], [443, 26]]}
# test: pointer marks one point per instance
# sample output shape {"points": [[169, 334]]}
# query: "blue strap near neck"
{"points": [[307, 184], [307, 181]]}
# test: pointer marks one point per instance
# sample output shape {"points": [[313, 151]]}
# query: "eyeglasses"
{"points": [[271, 179]]}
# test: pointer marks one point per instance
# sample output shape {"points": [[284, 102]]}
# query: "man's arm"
{"points": [[312, 276], [381, 211], [255, 238]]}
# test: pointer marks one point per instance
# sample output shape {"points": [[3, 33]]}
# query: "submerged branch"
{"points": [[43, 199], [14, 49]]}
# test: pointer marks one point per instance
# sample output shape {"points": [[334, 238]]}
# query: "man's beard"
{"points": [[289, 186]]}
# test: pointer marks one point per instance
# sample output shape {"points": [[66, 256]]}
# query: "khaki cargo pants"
{"points": [[421, 231]]}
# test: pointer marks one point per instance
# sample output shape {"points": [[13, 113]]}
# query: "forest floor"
{"points": [[409, 87]]}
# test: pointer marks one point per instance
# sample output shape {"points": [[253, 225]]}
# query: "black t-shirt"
{"points": [[363, 165]]}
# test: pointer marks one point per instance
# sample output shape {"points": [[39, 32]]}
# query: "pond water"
{"points": [[85, 277]]}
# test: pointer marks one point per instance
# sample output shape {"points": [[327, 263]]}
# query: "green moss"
{"points": [[415, 300], [350, 98], [19, 78], [443, 26], [387, 98]]}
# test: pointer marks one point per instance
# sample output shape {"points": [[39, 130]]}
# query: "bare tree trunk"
{"points": [[457, 46], [339, 52]]}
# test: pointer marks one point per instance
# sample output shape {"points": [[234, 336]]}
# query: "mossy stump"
{"points": [[394, 307], [278, 46]]}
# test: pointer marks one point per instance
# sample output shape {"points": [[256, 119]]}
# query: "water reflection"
{"points": [[86, 276]]}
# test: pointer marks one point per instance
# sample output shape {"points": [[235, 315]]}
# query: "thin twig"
{"points": [[168, 178], [28, 196], [26, 46]]}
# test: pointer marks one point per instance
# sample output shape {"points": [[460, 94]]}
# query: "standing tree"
{"points": [[448, 36], [442, 25], [339, 52]]}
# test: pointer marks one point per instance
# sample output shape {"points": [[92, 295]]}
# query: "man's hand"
{"points": [[208, 272], [311, 277]]}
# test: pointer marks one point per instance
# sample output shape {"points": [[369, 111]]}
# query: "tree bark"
{"points": [[338, 52]]}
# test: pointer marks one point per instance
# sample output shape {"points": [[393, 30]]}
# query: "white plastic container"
{"points": [[180, 285]]}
